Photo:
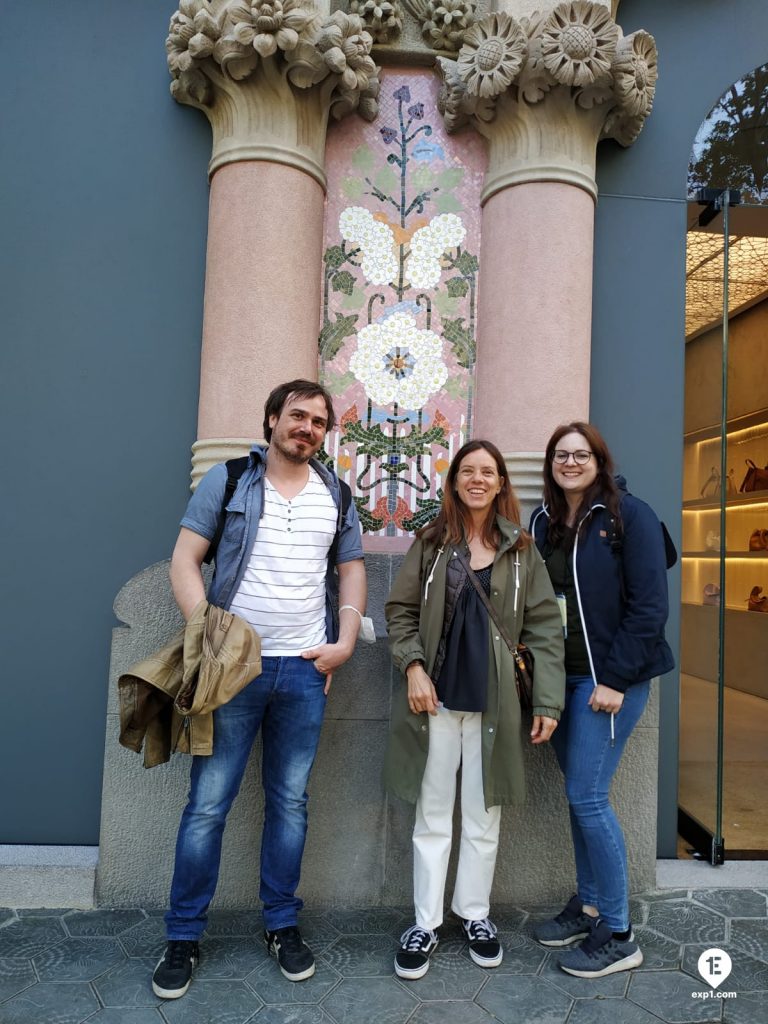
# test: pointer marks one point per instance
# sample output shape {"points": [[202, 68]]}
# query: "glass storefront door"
{"points": [[722, 797]]}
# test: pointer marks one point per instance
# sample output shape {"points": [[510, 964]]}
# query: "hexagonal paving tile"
{"points": [[747, 974], [15, 975], [65, 1003], [6, 914], [521, 954], [456, 1012], [91, 923], [361, 956], [129, 984], [509, 919], [26, 937], [610, 1011], [686, 922], [122, 1015], [78, 959], [222, 958], [751, 936], [273, 987], [297, 1013], [449, 977], [145, 939], [372, 1000], [365, 922], [513, 999], [659, 953], [733, 902], [746, 1008], [213, 1002], [669, 995], [317, 931]]}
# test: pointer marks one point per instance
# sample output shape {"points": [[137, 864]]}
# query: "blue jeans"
{"points": [[582, 743], [287, 702]]}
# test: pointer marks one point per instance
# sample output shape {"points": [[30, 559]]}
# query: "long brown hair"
{"points": [[453, 520], [603, 489]]}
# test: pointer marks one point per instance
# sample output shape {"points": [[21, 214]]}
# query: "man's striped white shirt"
{"points": [[282, 594]]}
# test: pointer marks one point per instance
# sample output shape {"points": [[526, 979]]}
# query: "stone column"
{"points": [[543, 89], [266, 75]]}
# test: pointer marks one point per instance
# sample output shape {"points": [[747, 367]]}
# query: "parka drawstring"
{"points": [[517, 580], [432, 573]]}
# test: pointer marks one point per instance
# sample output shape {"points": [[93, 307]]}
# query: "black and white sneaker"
{"points": [[416, 947], [484, 948], [294, 957], [174, 972]]}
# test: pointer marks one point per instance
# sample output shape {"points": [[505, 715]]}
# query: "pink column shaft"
{"points": [[262, 292], [534, 313]]}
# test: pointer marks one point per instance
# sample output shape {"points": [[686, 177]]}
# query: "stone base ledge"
{"points": [[48, 876]]}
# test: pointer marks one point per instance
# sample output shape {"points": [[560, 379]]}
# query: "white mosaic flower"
{"points": [[447, 230], [395, 361], [374, 239], [423, 271]]}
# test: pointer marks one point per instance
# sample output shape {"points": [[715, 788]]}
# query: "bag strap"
{"points": [[484, 598], [235, 469]]}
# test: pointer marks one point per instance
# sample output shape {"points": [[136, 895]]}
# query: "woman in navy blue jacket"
{"points": [[605, 554]]}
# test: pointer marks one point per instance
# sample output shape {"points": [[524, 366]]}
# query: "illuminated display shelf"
{"points": [[729, 555], [737, 501]]}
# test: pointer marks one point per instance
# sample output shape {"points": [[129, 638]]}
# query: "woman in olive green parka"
{"points": [[441, 639]]}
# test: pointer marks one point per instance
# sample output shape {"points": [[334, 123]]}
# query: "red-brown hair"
{"points": [[603, 489], [453, 520]]}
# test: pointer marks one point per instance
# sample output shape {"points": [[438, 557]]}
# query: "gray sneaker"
{"points": [[601, 954], [570, 925]]}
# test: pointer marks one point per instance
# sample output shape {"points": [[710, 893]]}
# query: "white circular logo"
{"points": [[714, 966]]}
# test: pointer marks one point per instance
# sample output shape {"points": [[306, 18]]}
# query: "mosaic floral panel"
{"points": [[399, 320]]}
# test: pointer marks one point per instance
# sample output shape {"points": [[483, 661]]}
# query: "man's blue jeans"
{"points": [[287, 702], [582, 743]]}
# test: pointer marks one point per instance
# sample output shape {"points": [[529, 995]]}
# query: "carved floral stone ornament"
{"points": [[492, 55], [382, 18], [576, 47], [443, 22], [212, 41]]}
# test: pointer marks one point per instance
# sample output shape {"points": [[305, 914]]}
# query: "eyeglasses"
{"points": [[580, 457]]}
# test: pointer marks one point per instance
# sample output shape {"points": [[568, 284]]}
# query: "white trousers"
{"points": [[454, 738]]}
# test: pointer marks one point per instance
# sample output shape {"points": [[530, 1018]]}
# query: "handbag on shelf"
{"points": [[522, 655], [756, 479], [756, 603], [711, 594], [758, 540], [711, 487]]}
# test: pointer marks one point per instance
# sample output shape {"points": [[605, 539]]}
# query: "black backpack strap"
{"points": [[235, 469], [346, 501]]}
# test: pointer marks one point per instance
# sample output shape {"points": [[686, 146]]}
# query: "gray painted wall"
{"points": [[104, 198], [105, 206], [639, 286]]}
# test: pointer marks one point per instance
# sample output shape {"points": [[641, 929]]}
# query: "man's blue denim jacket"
{"points": [[242, 521]]}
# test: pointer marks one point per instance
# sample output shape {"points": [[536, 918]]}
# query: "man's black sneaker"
{"points": [[174, 972], [294, 957], [416, 946], [484, 948]]}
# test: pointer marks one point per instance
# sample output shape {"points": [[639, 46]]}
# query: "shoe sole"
{"points": [[486, 961], [621, 965], [563, 942], [412, 975], [169, 993], [301, 976]]}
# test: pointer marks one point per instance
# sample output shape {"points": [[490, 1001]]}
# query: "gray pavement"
{"points": [[67, 967]]}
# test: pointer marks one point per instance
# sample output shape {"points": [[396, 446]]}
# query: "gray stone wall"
{"points": [[358, 848]]}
